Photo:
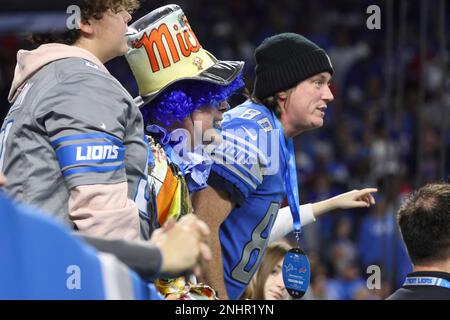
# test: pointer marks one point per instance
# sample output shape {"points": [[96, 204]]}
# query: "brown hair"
{"points": [[89, 9], [274, 253], [424, 220], [271, 102]]}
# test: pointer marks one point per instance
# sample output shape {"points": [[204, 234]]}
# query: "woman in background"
{"points": [[268, 281]]}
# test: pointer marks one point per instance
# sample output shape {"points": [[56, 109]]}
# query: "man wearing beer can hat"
{"points": [[181, 88]]}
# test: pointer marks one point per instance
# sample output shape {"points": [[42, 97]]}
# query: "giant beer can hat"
{"points": [[163, 50]]}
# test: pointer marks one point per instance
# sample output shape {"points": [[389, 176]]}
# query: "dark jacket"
{"points": [[413, 292]]}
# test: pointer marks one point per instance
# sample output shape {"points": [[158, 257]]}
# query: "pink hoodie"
{"points": [[29, 62], [98, 210]]}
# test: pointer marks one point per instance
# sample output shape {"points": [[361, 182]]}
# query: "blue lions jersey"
{"points": [[249, 165]]}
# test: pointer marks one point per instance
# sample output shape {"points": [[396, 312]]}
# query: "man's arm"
{"points": [[213, 207], [144, 258], [309, 212], [173, 249], [284, 222]]}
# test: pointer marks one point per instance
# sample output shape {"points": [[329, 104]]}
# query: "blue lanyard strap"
{"points": [[292, 187], [427, 281], [290, 176]]}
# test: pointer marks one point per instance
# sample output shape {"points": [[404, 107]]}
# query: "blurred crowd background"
{"points": [[388, 126]]}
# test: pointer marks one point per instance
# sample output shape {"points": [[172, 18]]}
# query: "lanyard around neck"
{"points": [[290, 175], [427, 281]]}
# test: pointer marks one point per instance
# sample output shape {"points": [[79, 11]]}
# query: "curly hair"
{"points": [[89, 9], [182, 98]]}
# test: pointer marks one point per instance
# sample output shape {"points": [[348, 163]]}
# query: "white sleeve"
{"points": [[284, 222]]}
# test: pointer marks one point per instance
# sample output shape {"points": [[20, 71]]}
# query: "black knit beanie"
{"points": [[284, 60]]}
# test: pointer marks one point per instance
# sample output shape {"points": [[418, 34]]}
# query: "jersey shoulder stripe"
{"points": [[86, 136]]}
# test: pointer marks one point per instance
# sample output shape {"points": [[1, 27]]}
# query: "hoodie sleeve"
{"points": [[85, 121]]}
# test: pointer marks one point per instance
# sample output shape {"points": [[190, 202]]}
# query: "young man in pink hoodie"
{"points": [[73, 142]]}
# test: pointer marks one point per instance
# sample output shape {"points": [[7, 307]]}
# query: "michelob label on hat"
{"points": [[162, 48]]}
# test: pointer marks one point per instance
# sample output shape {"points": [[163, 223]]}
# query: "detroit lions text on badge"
{"points": [[183, 310]]}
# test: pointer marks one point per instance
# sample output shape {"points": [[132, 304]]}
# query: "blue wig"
{"points": [[182, 98]]}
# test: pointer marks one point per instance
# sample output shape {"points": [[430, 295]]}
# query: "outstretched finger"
{"points": [[364, 198], [368, 198], [367, 191], [372, 199], [360, 204]]}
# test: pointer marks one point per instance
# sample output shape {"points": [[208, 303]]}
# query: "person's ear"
{"points": [[86, 27], [282, 98], [282, 95]]}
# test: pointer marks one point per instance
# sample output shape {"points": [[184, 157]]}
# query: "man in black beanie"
{"points": [[254, 168], [285, 60]]}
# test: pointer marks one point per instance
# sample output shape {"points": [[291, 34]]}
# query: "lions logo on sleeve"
{"points": [[90, 152]]}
